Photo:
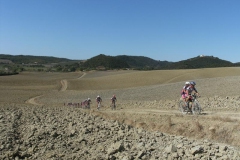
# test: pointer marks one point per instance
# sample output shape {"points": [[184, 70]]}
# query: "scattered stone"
{"points": [[60, 133]]}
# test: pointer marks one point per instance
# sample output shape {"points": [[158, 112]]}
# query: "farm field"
{"points": [[32, 106]]}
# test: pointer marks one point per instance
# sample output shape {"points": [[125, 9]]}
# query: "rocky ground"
{"points": [[146, 124], [33, 132]]}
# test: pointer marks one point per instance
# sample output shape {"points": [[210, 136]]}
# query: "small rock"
{"points": [[170, 149], [115, 147], [196, 150]]}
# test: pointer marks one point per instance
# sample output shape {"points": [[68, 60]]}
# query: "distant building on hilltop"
{"points": [[201, 55]]}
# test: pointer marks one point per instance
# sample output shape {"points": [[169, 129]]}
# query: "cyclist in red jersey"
{"points": [[98, 100]]}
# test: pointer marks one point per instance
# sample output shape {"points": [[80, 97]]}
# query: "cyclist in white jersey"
{"points": [[191, 88]]}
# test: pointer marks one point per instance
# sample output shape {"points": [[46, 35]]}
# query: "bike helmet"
{"points": [[193, 83], [98, 96], [88, 98], [187, 82]]}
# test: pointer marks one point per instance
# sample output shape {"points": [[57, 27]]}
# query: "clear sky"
{"points": [[171, 30]]}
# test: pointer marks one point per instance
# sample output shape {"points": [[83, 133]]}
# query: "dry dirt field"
{"points": [[32, 108]]}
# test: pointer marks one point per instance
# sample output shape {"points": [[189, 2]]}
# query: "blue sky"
{"points": [[171, 30]]}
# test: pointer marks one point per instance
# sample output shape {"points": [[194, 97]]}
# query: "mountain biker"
{"points": [[87, 103], [114, 99], [191, 88], [98, 100], [184, 91]]}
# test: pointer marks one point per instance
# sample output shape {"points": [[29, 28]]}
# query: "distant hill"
{"points": [[200, 62], [141, 62], [105, 62], [5, 61], [18, 63], [26, 59]]}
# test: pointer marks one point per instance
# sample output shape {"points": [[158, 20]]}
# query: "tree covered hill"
{"points": [[145, 63], [200, 62], [10, 63], [26, 59], [142, 62], [105, 62]]}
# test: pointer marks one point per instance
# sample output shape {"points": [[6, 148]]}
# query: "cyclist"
{"points": [[98, 100], [114, 99], [184, 91], [191, 88], [87, 103]]}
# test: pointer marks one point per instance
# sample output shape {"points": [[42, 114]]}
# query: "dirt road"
{"points": [[64, 84], [34, 100]]}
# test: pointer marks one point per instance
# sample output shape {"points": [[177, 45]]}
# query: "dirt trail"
{"points": [[141, 111], [82, 75], [64, 82], [64, 85], [33, 100]]}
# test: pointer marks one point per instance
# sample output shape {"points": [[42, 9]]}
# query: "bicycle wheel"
{"points": [[182, 108], [113, 106], [99, 105], [196, 108]]}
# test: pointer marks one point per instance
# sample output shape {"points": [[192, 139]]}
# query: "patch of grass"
{"points": [[152, 126], [223, 119], [180, 130], [129, 122], [141, 125], [169, 122], [198, 126]]}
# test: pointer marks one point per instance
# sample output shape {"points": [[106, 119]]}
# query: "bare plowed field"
{"points": [[146, 100]]}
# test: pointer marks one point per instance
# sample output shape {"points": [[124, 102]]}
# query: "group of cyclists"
{"points": [[187, 90], [87, 102]]}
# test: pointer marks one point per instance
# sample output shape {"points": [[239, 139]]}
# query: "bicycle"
{"points": [[99, 106], [193, 106], [113, 105]]}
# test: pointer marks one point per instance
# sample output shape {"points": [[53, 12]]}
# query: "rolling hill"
{"points": [[142, 62], [104, 62], [146, 63], [26, 59], [200, 62]]}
